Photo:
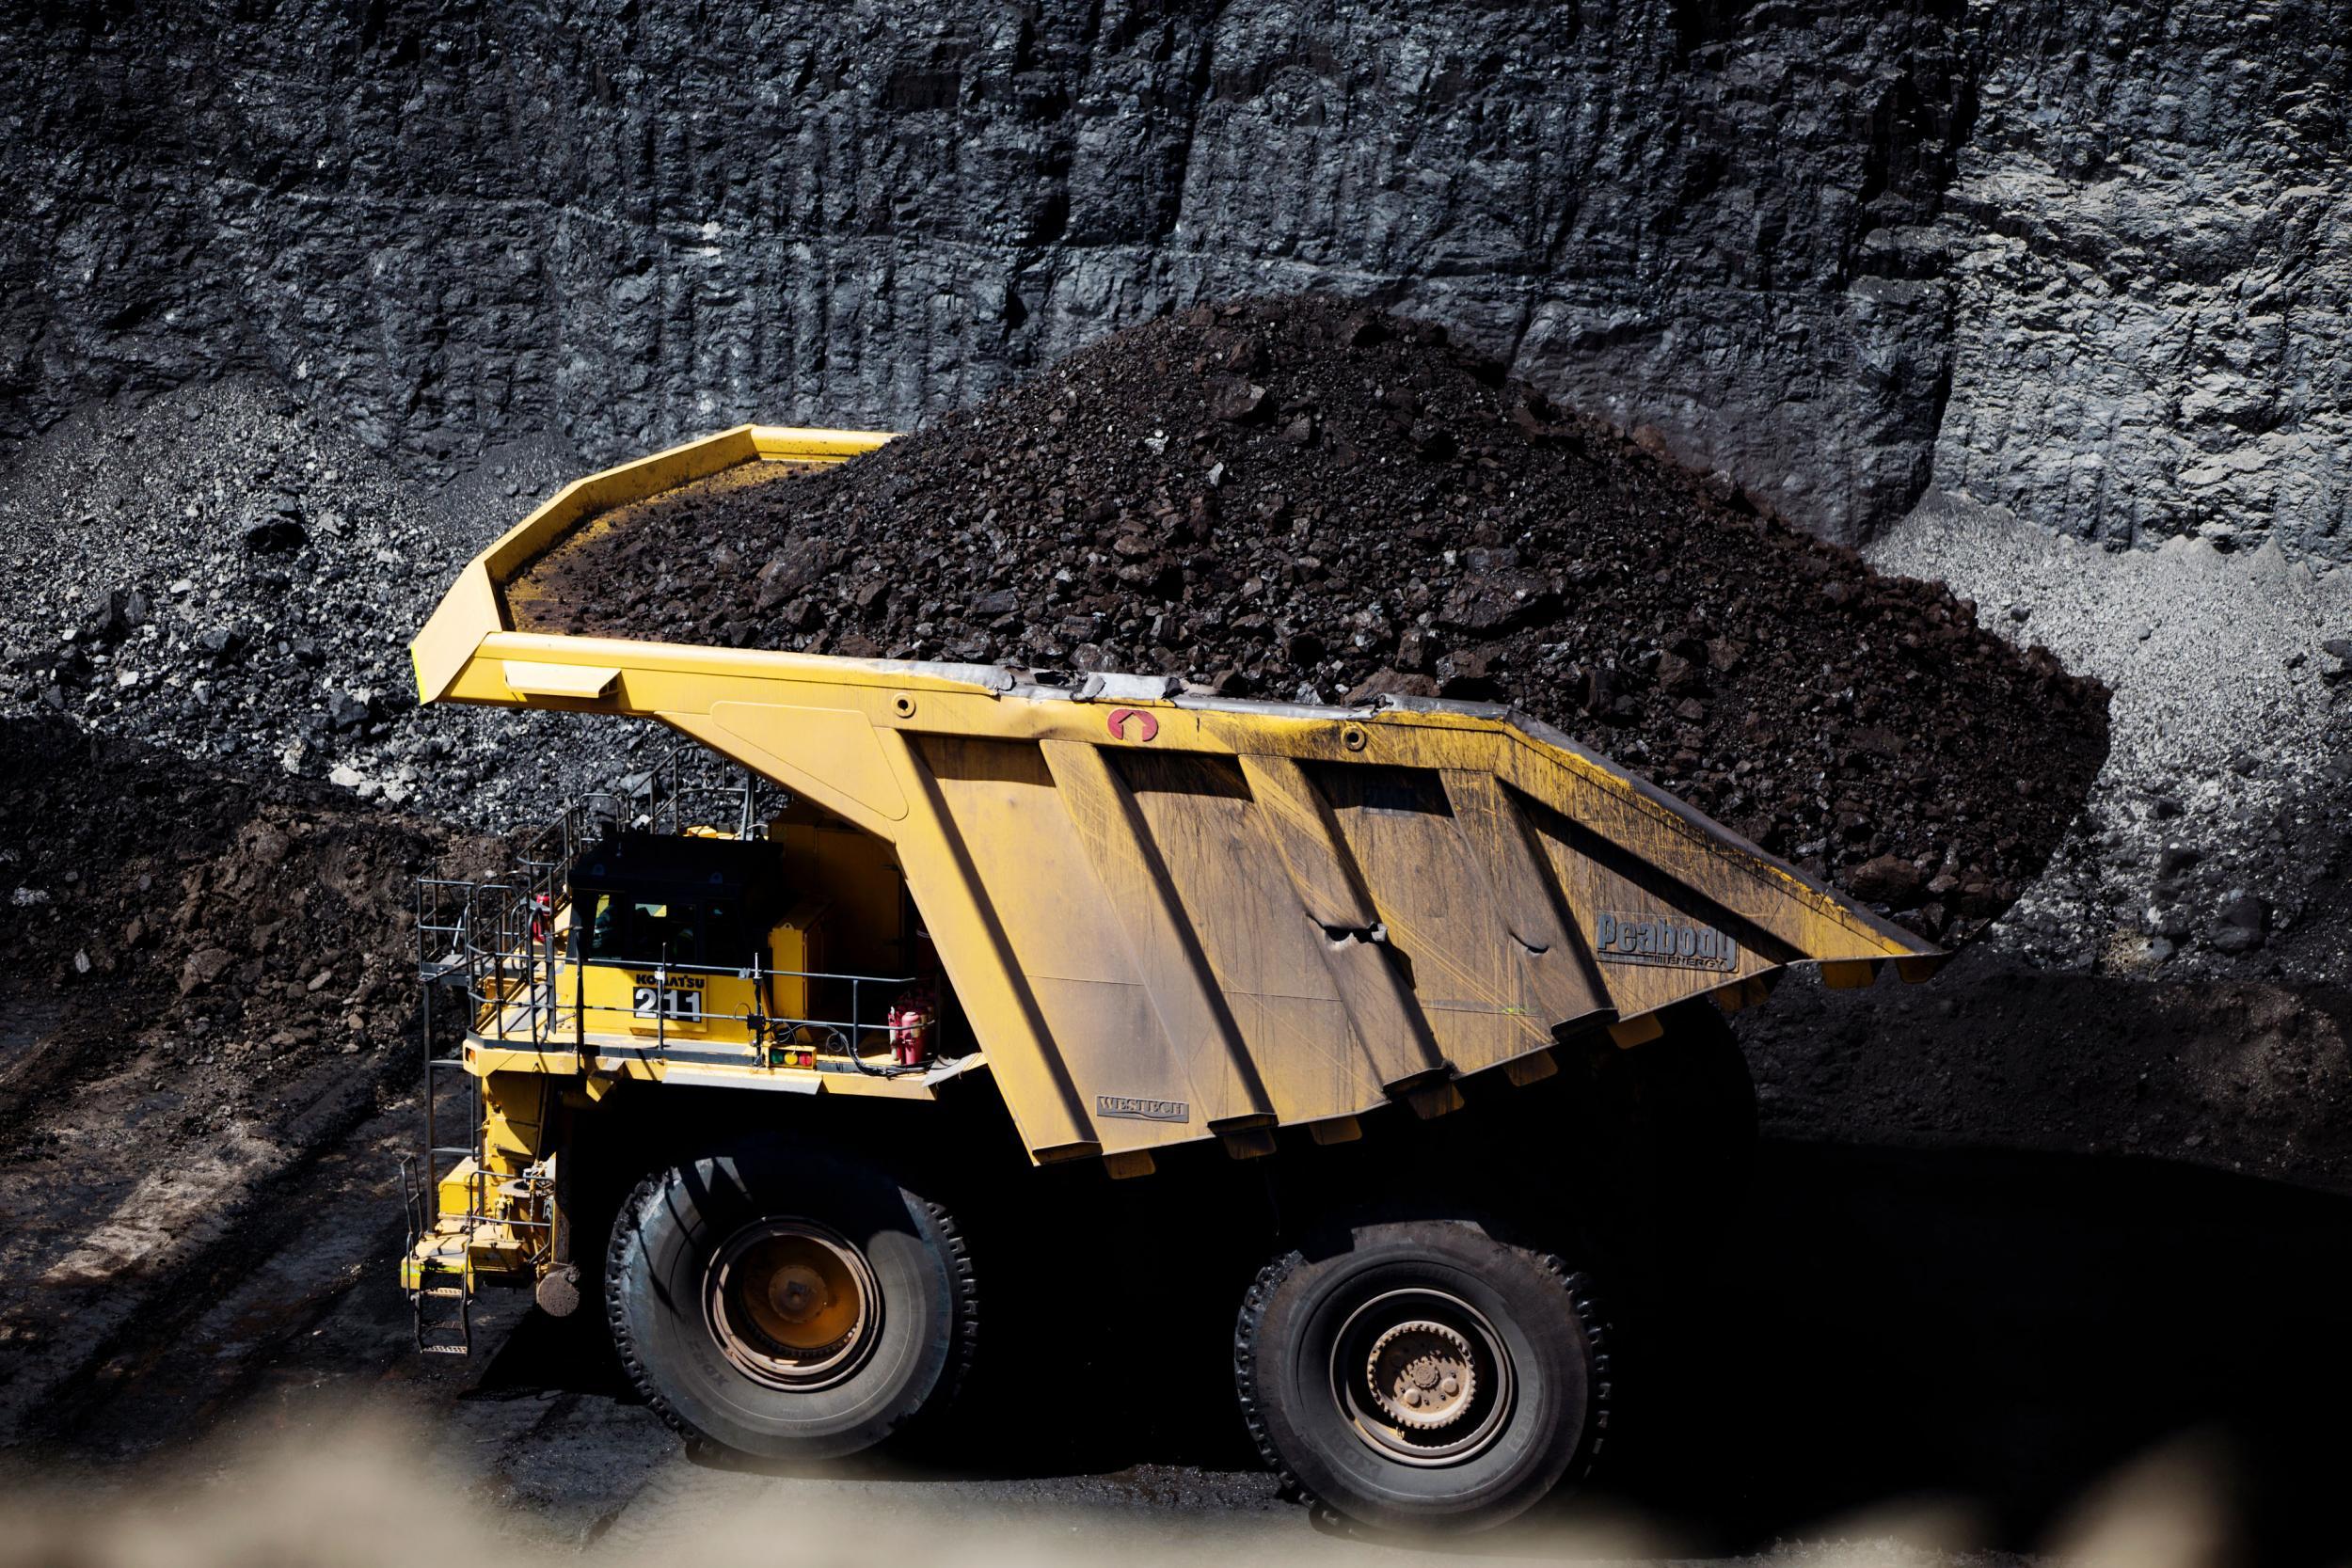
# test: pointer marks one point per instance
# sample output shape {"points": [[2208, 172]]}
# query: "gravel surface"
{"points": [[1304, 499], [223, 574], [2218, 837]]}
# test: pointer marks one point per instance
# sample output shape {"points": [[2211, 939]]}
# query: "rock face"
{"points": [[2075, 260], [2148, 231]]}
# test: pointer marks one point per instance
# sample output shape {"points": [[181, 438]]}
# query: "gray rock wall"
{"points": [[2152, 255], [2077, 263]]}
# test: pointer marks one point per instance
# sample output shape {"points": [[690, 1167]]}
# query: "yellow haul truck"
{"points": [[967, 953]]}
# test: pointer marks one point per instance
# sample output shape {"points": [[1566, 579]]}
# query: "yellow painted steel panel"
{"points": [[1268, 961], [1130, 1025], [1386, 1018], [1468, 974], [1190, 1008], [473, 608], [1299, 821], [976, 951], [1527, 897], [788, 736], [514, 1112], [1613, 904], [525, 679]]}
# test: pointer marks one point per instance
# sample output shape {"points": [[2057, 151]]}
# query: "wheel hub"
{"points": [[791, 1302], [1423, 1374], [1421, 1377], [798, 1293]]}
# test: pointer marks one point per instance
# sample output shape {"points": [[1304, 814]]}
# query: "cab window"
{"points": [[625, 930], [641, 928]]}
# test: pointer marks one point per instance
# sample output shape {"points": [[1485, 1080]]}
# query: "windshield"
{"points": [[640, 928]]}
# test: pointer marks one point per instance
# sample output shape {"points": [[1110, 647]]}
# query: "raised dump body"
{"points": [[1170, 916]]}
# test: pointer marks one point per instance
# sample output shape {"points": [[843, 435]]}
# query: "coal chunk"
{"points": [[1896, 883], [1499, 601], [1003, 601], [275, 534]]}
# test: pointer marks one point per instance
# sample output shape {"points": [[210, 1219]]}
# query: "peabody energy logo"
{"points": [[1629, 938]]}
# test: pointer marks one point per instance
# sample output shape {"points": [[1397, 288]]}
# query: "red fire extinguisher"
{"points": [[909, 1023]]}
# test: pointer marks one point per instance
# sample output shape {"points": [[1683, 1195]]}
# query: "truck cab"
{"points": [[631, 942], [694, 935]]}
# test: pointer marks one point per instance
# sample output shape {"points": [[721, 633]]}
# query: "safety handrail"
{"points": [[512, 987]]}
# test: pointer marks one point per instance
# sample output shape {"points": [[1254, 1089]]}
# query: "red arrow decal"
{"points": [[1119, 716]]}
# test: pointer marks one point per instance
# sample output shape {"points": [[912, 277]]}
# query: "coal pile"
{"points": [[238, 937], [1302, 498]]}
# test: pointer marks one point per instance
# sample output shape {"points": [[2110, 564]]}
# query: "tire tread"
{"points": [[957, 1251], [1582, 1300]]}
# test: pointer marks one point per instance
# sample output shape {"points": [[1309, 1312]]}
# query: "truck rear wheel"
{"points": [[1423, 1374], [788, 1305]]}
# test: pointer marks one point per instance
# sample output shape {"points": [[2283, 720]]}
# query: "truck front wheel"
{"points": [[1423, 1374], [788, 1305]]}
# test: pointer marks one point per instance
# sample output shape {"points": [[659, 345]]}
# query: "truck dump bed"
{"points": [[1169, 916]]}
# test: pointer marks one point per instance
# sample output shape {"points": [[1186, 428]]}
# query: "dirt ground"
{"points": [[210, 987], [239, 929]]}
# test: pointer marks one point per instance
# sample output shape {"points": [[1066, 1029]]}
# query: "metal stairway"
{"points": [[442, 1295]]}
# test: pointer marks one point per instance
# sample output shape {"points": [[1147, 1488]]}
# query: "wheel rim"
{"points": [[1421, 1377], [792, 1303]]}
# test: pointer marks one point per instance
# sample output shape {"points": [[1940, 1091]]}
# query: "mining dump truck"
{"points": [[959, 977]]}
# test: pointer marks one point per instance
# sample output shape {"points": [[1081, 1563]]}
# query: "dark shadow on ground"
{"points": [[572, 1356], [2003, 1328], [2007, 1328]]}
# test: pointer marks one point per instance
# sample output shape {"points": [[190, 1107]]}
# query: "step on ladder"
{"points": [[443, 1312]]}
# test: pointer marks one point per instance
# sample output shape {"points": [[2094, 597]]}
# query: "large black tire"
{"points": [[1316, 1351], [832, 1240]]}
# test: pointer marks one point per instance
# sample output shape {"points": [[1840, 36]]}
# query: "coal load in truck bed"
{"points": [[1304, 499]]}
